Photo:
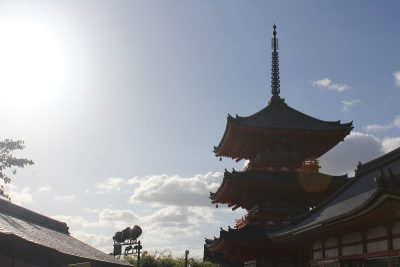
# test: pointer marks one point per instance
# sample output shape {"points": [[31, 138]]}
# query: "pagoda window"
{"points": [[396, 235], [377, 239], [331, 247], [352, 244], [317, 250]]}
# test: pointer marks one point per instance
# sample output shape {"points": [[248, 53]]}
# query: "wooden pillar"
{"points": [[389, 228], [389, 241], [311, 257], [364, 242]]}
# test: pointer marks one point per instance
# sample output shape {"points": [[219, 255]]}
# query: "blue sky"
{"points": [[121, 102]]}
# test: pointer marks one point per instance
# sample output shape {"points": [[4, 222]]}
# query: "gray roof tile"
{"points": [[279, 115], [23, 223], [349, 199]]}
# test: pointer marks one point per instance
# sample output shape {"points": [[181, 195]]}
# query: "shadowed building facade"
{"points": [[288, 201]]}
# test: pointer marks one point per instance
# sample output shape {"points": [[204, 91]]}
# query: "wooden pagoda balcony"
{"points": [[257, 164]]}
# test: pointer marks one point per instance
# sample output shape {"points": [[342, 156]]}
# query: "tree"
{"points": [[10, 163], [164, 258]]}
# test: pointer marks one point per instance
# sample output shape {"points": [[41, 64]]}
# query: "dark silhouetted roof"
{"points": [[280, 116], [313, 186], [247, 233], [351, 198], [245, 137], [37, 229]]}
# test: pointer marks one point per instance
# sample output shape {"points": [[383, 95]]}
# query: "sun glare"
{"points": [[32, 65]]}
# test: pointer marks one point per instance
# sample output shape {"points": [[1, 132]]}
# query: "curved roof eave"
{"points": [[236, 175], [336, 126], [310, 227], [282, 116]]}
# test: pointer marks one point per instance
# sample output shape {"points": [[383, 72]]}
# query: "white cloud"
{"points": [[322, 83], [396, 122], [161, 226], [381, 128], [180, 216], [111, 184], [68, 198], [178, 223], [168, 215], [176, 190], [345, 156], [117, 218], [172, 209], [134, 181], [19, 197], [328, 84], [357, 147], [347, 105], [74, 221], [389, 144], [44, 189], [396, 76], [97, 240]]}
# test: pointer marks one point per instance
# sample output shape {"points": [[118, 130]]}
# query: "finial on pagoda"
{"points": [[275, 82], [274, 40]]}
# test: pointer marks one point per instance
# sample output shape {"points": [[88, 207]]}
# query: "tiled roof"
{"points": [[350, 199], [247, 137], [41, 230], [276, 176], [280, 116], [248, 233], [288, 178]]}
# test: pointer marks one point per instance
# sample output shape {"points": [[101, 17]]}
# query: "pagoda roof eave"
{"points": [[247, 235], [260, 178], [282, 119], [277, 114]]}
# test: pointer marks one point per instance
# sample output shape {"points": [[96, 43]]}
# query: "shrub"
{"points": [[164, 259]]}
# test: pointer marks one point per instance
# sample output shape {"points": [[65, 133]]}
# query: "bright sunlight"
{"points": [[32, 65]]}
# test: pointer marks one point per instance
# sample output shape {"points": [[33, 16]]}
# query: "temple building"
{"points": [[29, 239], [296, 215]]}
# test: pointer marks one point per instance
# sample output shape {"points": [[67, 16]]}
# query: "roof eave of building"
{"points": [[371, 203], [232, 123], [235, 175]]}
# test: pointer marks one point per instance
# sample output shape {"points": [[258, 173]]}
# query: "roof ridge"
{"points": [[6, 207], [363, 168], [331, 219]]}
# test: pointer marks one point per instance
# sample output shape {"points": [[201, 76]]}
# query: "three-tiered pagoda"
{"points": [[280, 182]]}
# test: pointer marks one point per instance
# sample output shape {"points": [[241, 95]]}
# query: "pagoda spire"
{"points": [[275, 82]]}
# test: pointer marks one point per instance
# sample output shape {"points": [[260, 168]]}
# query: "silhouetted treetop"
{"points": [[9, 162]]}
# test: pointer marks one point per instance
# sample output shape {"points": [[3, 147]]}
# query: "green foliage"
{"points": [[9, 162], [165, 259]]}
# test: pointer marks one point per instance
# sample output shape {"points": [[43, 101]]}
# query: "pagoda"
{"points": [[280, 182]]}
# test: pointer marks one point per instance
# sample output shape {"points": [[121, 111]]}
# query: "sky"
{"points": [[121, 102]]}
